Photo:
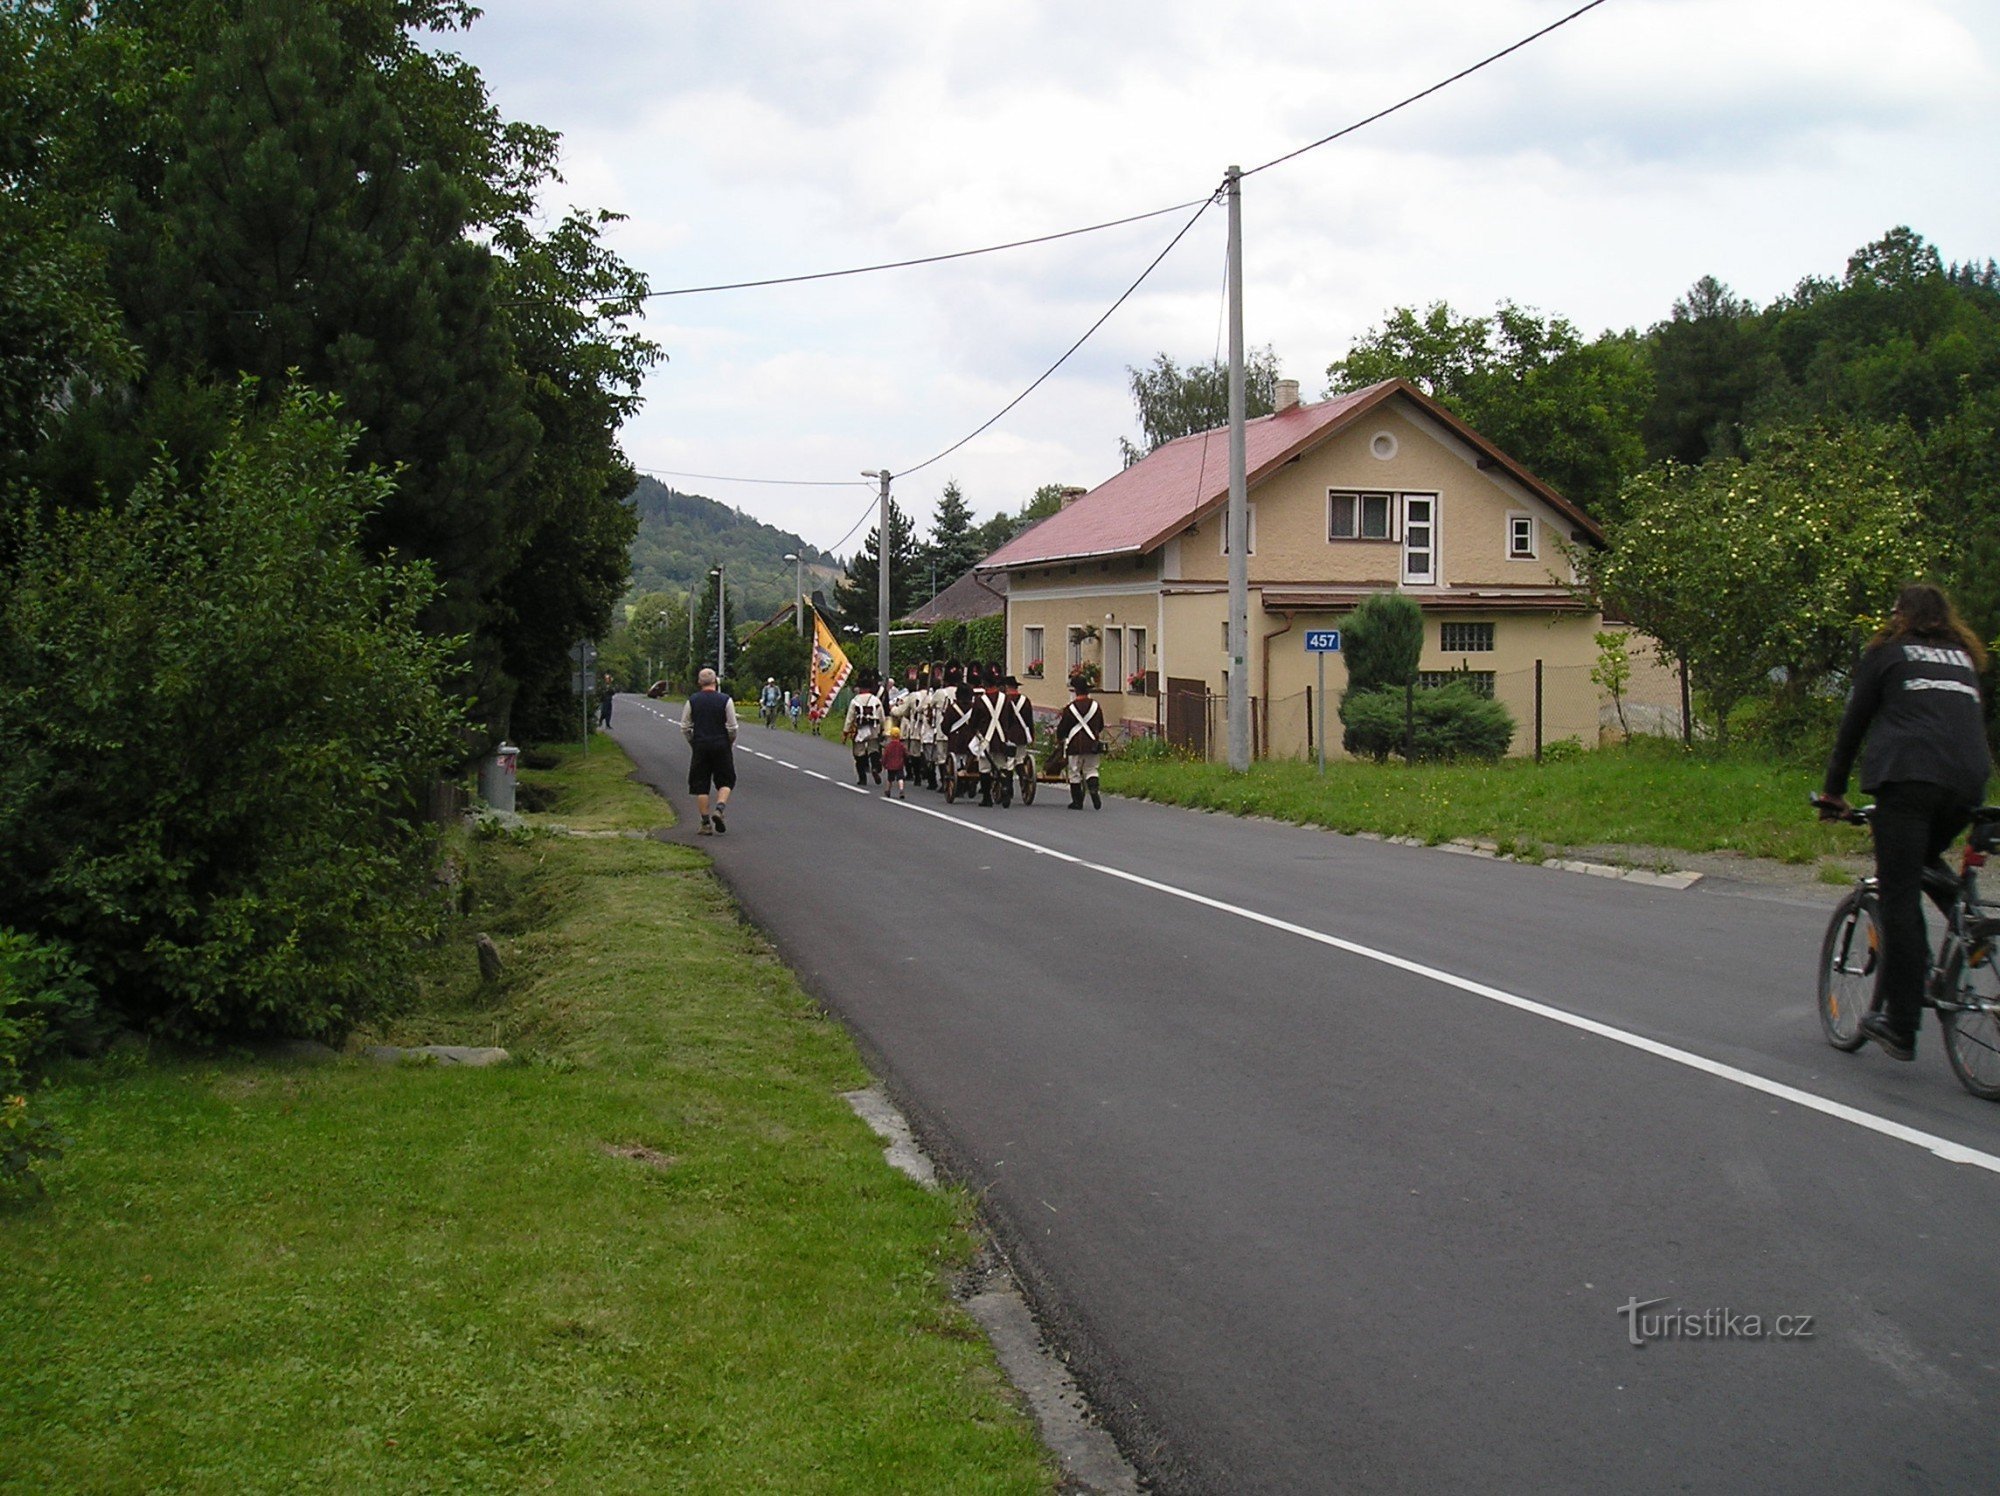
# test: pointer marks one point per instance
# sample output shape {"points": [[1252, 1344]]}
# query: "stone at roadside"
{"points": [[441, 1054]]}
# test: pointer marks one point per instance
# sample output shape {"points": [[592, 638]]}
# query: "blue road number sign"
{"points": [[1322, 641]]}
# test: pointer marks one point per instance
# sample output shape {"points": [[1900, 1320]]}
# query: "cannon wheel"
{"points": [[1028, 780], [950, 781]]}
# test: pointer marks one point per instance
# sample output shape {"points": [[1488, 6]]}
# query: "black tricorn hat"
{"points": [[1010, 683], [1080, 684]]}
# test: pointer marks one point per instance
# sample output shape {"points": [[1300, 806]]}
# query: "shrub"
{"points": [[46, 1003], [1450, 722], [218, 720], [1562, 751], [1382, 641]]}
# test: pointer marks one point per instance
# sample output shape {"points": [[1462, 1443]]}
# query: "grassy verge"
{"points": [[660, 1254], [1644, 794]]}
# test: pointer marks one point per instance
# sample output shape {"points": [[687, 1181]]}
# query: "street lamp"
{"points": [[799, 590], [719, 658]]}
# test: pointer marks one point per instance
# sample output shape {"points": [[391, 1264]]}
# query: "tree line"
{"points": [[310, 472]]}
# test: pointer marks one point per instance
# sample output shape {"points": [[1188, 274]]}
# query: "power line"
{"points": [[766, 482], [1206, 204], [1381, 114], [961, 254]]}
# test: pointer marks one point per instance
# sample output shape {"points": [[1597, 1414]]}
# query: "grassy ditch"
{"points": [[1644, 794], [657, 1253]]}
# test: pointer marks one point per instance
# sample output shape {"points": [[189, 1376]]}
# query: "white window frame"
{"points": [[1249, 526], [1519, 521], [1135, 637], [1074, 640], [1390, 508], [1431, 550], [1114, 642], [1033, 647]]}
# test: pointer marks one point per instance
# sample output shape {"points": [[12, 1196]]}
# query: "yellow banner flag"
{"points": [[830, 668]]}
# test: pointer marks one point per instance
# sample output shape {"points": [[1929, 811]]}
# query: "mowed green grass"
{"points": [[1645, 794], [659, 1255]]}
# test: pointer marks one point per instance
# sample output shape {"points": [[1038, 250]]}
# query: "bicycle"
{"points": [[1963, 987]]}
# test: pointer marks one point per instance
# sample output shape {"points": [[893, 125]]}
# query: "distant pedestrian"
{"points": [[610, 689], [794, 705], [895, 758], [709, 725]]}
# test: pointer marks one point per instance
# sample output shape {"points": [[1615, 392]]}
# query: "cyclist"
{"points": [[771, 699], [1916, 700]]}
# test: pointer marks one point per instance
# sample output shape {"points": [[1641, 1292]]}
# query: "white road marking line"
{"points": [[1944, 1148], [854, 789], [815, 774], [784, 763]]}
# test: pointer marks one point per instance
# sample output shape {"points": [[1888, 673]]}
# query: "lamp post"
{"points": [[881, 578], [799, 590], [719, 659]]}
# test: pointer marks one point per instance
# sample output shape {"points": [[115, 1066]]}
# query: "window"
{"points": [[1249, 524], [1420, 538], [1114, 659], [1139, 663], [1031, 650], [1481, 681], [1520, 537], [1358, 516], [1465, 638], [1075, 650]]}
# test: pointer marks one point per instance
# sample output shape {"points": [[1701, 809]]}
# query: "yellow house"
{"points": [[1382, 489]]}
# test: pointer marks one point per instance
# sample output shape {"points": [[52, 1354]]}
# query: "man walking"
{"points": [[1080, 736], [709, 725], [609, 690]]}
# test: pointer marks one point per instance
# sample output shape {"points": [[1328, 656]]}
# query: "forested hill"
{"points": [[682, 535]]}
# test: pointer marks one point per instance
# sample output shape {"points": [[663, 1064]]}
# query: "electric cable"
{"points": [[1207, 203], [1381, 114]]}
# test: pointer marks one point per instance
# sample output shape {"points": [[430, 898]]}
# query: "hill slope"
{"points": [[682, 535]]}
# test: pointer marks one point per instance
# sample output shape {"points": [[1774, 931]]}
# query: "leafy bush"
{"points": [[1382, 641], [46, 1003], [1562, 751], [217, 720], [1450, 722]]}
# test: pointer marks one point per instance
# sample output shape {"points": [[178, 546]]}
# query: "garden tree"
{"points": [[704, 629], [660, 633], [1569, 410], [255, 859], [1381, 642], [1710, 359], [778, 652], [1773, 566], [1175, 402], [301, 191], [856, 597], [570, 300], [1003, 527], [953, 546]]}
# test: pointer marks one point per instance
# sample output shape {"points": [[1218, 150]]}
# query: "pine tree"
{"points": [[953, 547], [856, 599]]}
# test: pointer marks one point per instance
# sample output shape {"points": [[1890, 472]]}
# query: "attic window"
{"points": [[1358, 516], [1383, 445], [1520, 537]]}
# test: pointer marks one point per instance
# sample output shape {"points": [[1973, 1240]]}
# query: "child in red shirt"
{"points": [[894, 758]]}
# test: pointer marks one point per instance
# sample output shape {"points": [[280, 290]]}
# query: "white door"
{"points": [[1420, 539]]}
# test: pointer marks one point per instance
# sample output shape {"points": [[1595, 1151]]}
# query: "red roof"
{"points": [[1179, 481]]}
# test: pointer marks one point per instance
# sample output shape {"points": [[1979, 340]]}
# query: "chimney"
{"points": [[1287, 396], [1071, 495]]}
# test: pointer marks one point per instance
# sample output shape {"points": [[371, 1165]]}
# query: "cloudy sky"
{"points": [[1594, 175]]}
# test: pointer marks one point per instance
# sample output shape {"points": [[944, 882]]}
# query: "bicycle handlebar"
{"points": [[1828, 811]]}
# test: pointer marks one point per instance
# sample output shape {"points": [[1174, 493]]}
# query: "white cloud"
{"points": [[1595, 174]]}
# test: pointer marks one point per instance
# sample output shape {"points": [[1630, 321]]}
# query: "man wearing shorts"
{"points": [[709, 725]]}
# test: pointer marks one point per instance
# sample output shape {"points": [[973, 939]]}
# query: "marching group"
{"points": [[956, 726]]}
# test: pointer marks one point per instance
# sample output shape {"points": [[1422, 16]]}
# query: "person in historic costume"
{"points": [[960, 724], [1080, 739], [863, 731]]}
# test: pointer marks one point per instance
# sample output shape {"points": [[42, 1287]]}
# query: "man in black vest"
{"points": [[709, 725]]}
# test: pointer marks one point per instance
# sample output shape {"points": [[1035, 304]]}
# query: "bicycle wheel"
{"points": [[1847, 961], [1972, 1030]]}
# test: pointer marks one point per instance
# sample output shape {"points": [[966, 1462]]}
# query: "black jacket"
{"points": [[1917, 702]]}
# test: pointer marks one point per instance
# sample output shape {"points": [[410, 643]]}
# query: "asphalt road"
{"points": [[1335, 1164]]}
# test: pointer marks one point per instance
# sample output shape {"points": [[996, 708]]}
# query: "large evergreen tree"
{"points": [[953, 546], [856, 598]]}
